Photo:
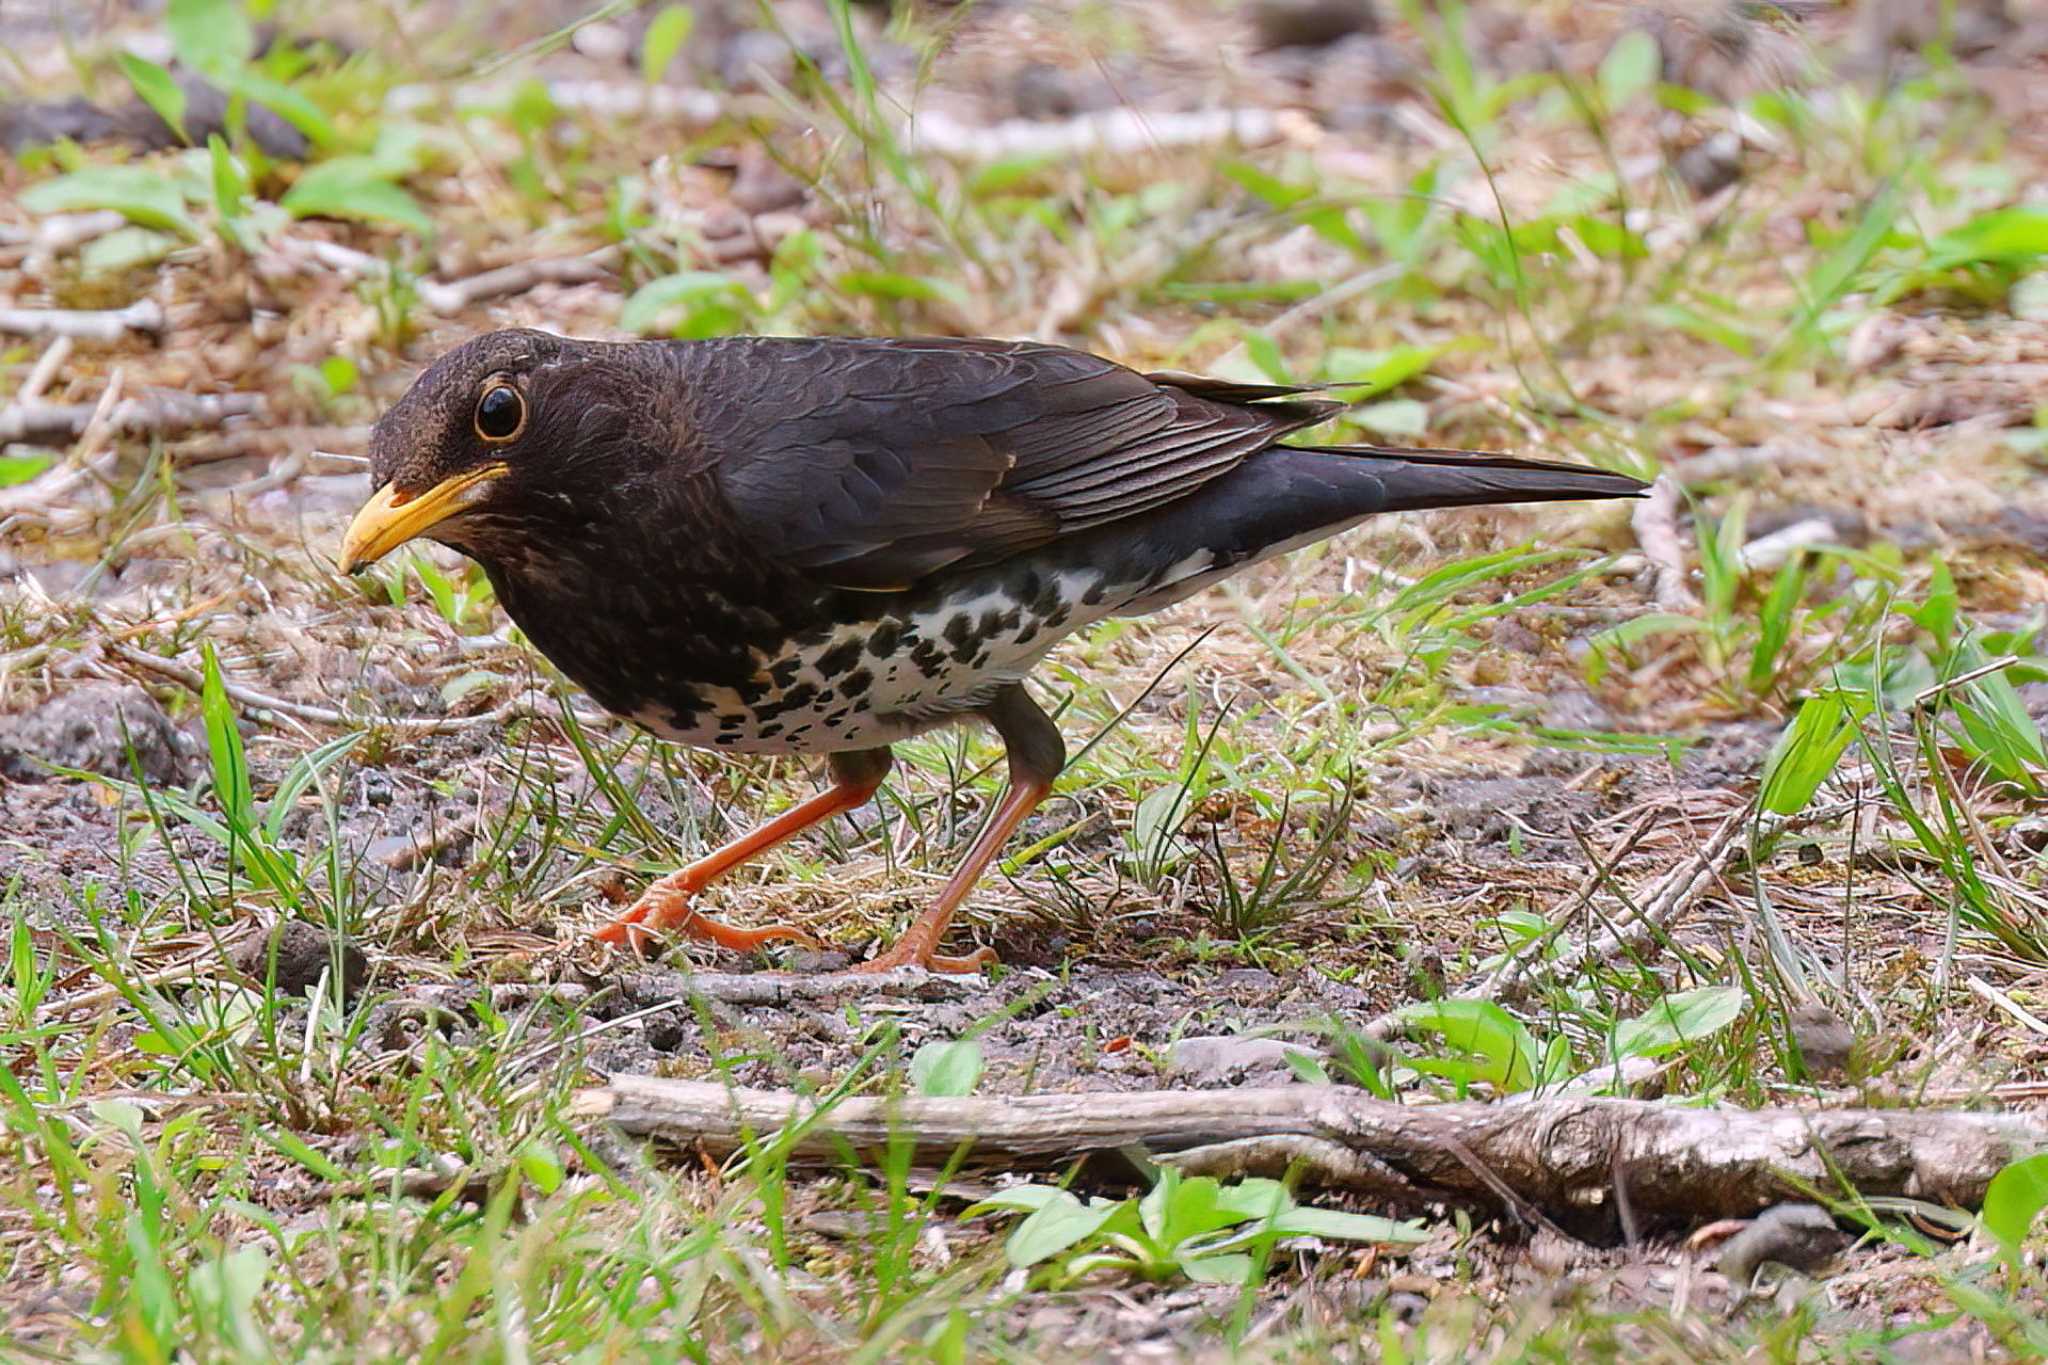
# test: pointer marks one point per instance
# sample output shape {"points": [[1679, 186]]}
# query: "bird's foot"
{"points": [[920, 950], [666, 909]]}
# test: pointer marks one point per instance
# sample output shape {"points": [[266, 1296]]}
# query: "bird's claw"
{"points": [[666, 909], [908, 954]]}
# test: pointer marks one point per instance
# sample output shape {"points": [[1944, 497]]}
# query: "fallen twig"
{"points": [[1561, 1155], [84, 324], [1768, 554], [448, 297], [158, 414], [57, 233], [1118, 131], [48, 363], [1656, 525], [1731, 462], [263, 707], [788, 988]]}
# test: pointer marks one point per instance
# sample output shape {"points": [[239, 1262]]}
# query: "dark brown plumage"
{"points": [[825, 546]]}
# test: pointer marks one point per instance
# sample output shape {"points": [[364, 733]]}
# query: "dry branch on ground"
{"points": [[1562, 1155]]}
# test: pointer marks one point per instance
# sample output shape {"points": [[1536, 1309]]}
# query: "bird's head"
{"points": [[486, 439]]}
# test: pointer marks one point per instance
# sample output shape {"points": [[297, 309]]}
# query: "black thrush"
{"points": [[778, 545]]}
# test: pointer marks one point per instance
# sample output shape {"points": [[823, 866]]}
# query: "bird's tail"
{"points": [[1288, 496], [1417, 478]]}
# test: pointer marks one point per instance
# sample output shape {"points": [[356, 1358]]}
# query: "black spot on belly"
{"points": [[1047, 599], [769, 731], [858, 682], [1096, 592], [991, 622], [928, 658], [784, 672], [1028, 634], [958, 630], [794, 699], [839, 658], [882, 642]]}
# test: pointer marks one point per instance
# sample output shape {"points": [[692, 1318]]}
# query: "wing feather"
{"points": [[876, 462]]}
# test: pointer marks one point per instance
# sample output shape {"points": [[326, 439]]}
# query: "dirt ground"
{"points": [[1399, 751]]}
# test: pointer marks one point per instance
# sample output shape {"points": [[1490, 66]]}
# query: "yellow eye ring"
{"points": [[500, 414]]}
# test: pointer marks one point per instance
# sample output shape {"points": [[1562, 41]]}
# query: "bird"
{"points": [[828, 545]]}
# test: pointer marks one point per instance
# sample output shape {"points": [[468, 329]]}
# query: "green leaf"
{"points": [[1676, 1020], [687, 289], [1505, 1050], [1255, 1197], [124, 249], [124, 1116], [542, 1165], [287, 103], [224, 743], [664, 39], [947, 1070], [299, 1150], [1806, 753], [303, 773], [2014, 1199], [2013, 236], [1339, 1226], [1154, 832], [1375, 372], [1998, 729], [213, 37], [16, 469], [1832, 277], [158, 91], [1937, 614], [340, 374], [1774, 622], [1264, 353], [140, 195], [1017, 1199], [1006, 173], [1062, 1223], [1276, 193], [354, 187], [1230, 1268], [1631, 66], [230, 185], [1400, 418], [883, 284]]}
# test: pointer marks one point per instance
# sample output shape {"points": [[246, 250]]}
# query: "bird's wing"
{"points": [[874, 463]]}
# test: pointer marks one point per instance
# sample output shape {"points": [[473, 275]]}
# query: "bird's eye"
{"points": [[500, 414]]}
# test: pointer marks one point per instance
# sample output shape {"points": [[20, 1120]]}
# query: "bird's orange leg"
{"points": [[1036, 757], [666, 905], [919, 945]]}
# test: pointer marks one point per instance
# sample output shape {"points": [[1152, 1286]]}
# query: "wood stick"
{"points": [[1656, 525], [84, 324], [157, 414], [1561, 1154]]}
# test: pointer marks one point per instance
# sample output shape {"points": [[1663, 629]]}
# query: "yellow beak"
{"points": [[391, 518]]}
